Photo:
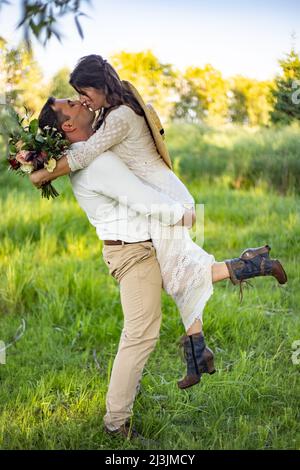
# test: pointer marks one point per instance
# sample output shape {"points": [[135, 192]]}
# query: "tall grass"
{"points": [[53, 385], [243, 157]]}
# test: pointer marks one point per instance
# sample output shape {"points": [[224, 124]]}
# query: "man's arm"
{"points": [[110, 176]]}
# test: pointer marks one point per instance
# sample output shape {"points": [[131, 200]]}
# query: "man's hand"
{"points": [[38, 178]]}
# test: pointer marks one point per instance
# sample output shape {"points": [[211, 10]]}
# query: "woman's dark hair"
{"points": [[94, 71]]}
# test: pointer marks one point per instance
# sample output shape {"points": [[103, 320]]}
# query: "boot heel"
{"points": [[211, 368], [278, 272], [208, 365]]}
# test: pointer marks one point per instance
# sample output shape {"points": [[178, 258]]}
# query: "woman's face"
{"points": [[93, 98]]}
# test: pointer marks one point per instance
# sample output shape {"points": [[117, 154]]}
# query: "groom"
{"points": [[120, 206]]}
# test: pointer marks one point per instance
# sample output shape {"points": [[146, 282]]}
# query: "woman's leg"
{"points": [[195, 328], [256, 263], [219, 272]]}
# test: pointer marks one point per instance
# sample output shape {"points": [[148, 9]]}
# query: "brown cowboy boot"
{"points": [[199, 358], [255, 262], [128, 431]]}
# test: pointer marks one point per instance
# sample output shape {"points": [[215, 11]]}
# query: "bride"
{"points": [[126, 127]]}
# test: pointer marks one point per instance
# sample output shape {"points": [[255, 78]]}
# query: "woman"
{"points": [[188, 271]]}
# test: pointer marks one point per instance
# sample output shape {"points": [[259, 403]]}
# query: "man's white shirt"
{"points": [[118, 203]]}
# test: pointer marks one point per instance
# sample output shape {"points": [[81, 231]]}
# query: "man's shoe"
{"points": [[199, 359], [255, 262], [126, 431]]}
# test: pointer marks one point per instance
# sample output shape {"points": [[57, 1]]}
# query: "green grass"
{"points": [[240, 156], [52, 390]]}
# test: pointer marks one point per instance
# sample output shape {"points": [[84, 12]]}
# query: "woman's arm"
{"points": [[42, 176], [115, 129]]}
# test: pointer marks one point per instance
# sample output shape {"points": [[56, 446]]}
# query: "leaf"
{"points": [[79, 29], [39, 138], [4, 2], [12, 149], [33, 126]]}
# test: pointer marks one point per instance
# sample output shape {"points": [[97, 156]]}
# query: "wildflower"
{"points": [[19, 144], [50, 165], [27, 167]]}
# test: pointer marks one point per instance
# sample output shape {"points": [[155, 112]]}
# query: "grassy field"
{"points": [[53, 279]]}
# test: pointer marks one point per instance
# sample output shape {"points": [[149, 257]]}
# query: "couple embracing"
{"points": [[122, 177]]}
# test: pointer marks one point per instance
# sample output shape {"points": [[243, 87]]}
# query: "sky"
{"points": [[235, 36]]}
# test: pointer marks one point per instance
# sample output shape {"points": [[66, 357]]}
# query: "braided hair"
{"points": [[95, 72]]}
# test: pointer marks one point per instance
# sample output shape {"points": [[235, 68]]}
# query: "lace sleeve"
{"points": [[112, 132]]}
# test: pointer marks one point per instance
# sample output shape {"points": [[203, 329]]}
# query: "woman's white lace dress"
{"points": [[185, 266]]}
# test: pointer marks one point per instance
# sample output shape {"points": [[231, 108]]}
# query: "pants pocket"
{"points": [[120, 260], [108, 258]]}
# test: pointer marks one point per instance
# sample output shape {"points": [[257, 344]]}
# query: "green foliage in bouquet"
{"points": [[31, 149]]}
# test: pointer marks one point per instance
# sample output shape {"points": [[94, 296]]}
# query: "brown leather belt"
{"points": [[121, 242]]}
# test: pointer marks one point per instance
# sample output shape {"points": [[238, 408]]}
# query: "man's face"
{"points": [[79, 116]]}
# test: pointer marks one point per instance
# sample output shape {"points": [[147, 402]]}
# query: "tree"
{"points": [[285, 94], [154, 80], [59, 85], [40, 18], [202, 94], [21, 88], [249, 101], [22, 78]]}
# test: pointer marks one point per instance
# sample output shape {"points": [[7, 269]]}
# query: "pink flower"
{"points": [[21, 156]]}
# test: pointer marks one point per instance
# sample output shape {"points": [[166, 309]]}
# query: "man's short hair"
{"points": [[51, 118]]}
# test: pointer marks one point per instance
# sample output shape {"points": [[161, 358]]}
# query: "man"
{"points": [[122, 222]]}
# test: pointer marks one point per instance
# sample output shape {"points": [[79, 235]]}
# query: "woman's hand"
{"points": [[188, 219], [40, 177], [193, 218]]}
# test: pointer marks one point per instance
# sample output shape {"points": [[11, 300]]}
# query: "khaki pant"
{"points": [[136, 268]]}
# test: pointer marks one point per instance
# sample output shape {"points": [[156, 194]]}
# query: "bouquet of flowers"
{"points": [[31, 149]]}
